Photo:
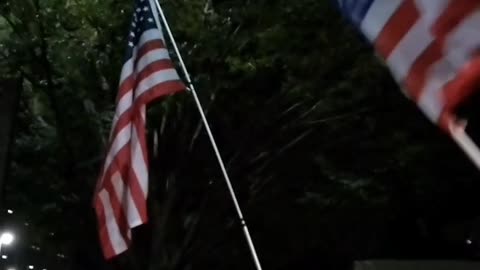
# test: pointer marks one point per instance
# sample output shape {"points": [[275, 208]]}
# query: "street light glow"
{"points": [[4, 257], [11, 268], [10, 211], [30, 267], [6, 238]]}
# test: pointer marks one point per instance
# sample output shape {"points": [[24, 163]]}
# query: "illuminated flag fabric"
{"points": [[147, 74], [432, 48]]}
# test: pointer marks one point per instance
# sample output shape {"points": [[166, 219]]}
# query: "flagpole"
{"points": [[212, 139], [465, 142]]}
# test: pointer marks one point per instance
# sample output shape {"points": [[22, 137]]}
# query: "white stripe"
{"points": [[124, 195], [126, 101], [116, 239], [155, 79], [431, 99], [122, 106], [128, 68], [409, 49], [464, 41], [150, 57], [139, 165], [460, 44], [121, 139], [431, 10], [377, 17], [147, 36]]}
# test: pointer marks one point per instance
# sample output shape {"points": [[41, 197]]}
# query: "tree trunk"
{"points": [[9, 99]]}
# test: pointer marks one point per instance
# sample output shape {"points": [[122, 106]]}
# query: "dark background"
{"points": [[330, 162]]}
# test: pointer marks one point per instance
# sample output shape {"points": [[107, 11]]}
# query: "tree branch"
{"points": [[60, 123]]}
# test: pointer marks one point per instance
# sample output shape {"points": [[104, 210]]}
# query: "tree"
{"points": [[9, 92], [330, 162]]}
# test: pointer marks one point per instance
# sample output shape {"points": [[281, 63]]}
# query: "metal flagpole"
{"points": [[212, 140]]}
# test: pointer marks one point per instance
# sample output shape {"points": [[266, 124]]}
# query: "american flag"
{"points": [[432, 48], [147, 74]]}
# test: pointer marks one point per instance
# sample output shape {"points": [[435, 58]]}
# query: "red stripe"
{"points": [[397, 27], [121, 123], [116, 159], [130, 82], [153, 67], [454, 14], [119, 164], [122, 164], [464, 85], [137, 195], [120, 220], [134, 183], [99, 186], [159, 91], [418, 74], [105, 242], [156, 66], [117, 210], [127, 85], [139, 125], [445, 24], [148, 47]]}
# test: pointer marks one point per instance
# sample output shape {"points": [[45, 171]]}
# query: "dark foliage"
{"points": [[330, 162]]}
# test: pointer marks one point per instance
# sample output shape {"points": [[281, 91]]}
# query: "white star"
{"points": [[145, 9], [138, 10], [134, 24], [130, 44], [132, 34], [141, 19], [150, 19]]}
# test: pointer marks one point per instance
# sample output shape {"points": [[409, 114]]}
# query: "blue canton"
{"points": [[356, 10], [142, 21]]}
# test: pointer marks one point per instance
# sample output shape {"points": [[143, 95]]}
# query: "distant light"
{"points": [[4, 257], [469, 242], [11, 268], [10, 211], [6, 238], [30, 267]]}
